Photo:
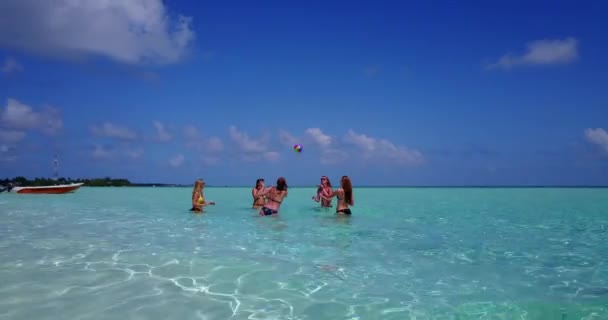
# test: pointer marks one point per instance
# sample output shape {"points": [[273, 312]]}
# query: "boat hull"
{"points": [[58, 189]]}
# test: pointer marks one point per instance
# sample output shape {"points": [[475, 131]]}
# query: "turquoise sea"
{"points": [[405, 253]]}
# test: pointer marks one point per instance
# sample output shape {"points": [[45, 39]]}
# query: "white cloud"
{"points": [[162, 132], [333, 151], [177, 161], [382, 149], [271, 156], [599, 137], [333, 156], [20, 116], [315, 136], [11, 65], [362, 141], [287, 138], [214, 144], [246, 143], [114, 152], [319, 137], [110, 130], [210, 160], [134, 153], [252, 149], [126, 31], [191, 133], [194, 139], [542, 52], [100, 152]]}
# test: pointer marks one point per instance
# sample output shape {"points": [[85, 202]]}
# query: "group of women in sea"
{"points": [[267, 200]]}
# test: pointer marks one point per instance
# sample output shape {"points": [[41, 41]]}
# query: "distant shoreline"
{"points": [[159, 185], [122, 182]]}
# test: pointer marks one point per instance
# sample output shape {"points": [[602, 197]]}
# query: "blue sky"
{"points": [[390, 93]]}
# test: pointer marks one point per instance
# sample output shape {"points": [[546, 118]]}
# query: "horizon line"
{"points": [[385, 186]]}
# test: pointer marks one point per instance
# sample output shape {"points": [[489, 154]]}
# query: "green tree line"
{"points": [[95, 182]]}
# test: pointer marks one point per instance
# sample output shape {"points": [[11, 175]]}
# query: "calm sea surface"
{"points": [[405, 253]]}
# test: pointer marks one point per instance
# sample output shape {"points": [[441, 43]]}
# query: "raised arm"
{"points": [[264, 191], [330, 195], [327, 193]]}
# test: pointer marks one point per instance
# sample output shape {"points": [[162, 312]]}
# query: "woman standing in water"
{"points": [[324, 189], [345, 196], [274, 196], [258, 199], [198, 200]]}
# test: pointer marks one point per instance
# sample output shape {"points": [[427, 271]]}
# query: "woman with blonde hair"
{"points": [[198, 199]]}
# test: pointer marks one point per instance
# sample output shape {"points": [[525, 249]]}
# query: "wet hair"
{"points": [[328, 181], [348, 189], [281, 184], [257, 182]]}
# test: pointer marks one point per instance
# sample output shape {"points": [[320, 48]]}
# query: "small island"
{"points": [[94, 182]]}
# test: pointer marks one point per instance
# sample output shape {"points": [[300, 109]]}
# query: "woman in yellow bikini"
{"points": [[198, 199]]}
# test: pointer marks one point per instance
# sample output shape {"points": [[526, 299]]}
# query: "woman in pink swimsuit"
{"points": [[324, 190], [345, 196]]}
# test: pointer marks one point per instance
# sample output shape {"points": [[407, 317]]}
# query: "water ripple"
{"points": [[436, 254]]}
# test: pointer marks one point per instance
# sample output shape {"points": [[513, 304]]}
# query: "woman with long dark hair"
{"points": [[274, 197], [345, 196]]}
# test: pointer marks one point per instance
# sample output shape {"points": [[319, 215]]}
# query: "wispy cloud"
{"points": [[133, 32], [320, 138], [102, 153], [252, 149], [19, 116], [287, 139], [177, 161], [335, 150], [383, 150], [194, 139], [598, 137], [111, 130], [11, 65], [541, 52], [162, 132], [115, 152]]}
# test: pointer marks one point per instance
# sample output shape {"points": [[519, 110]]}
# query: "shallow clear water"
{"points": [[406, 253]]}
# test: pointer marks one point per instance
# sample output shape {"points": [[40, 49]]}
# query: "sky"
{"points": [[390, 93]]}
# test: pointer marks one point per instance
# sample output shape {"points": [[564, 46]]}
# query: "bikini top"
{"points": [[271, 198]]}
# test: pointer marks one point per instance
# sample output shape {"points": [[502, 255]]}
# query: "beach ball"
{"points": [[297, 148]]}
